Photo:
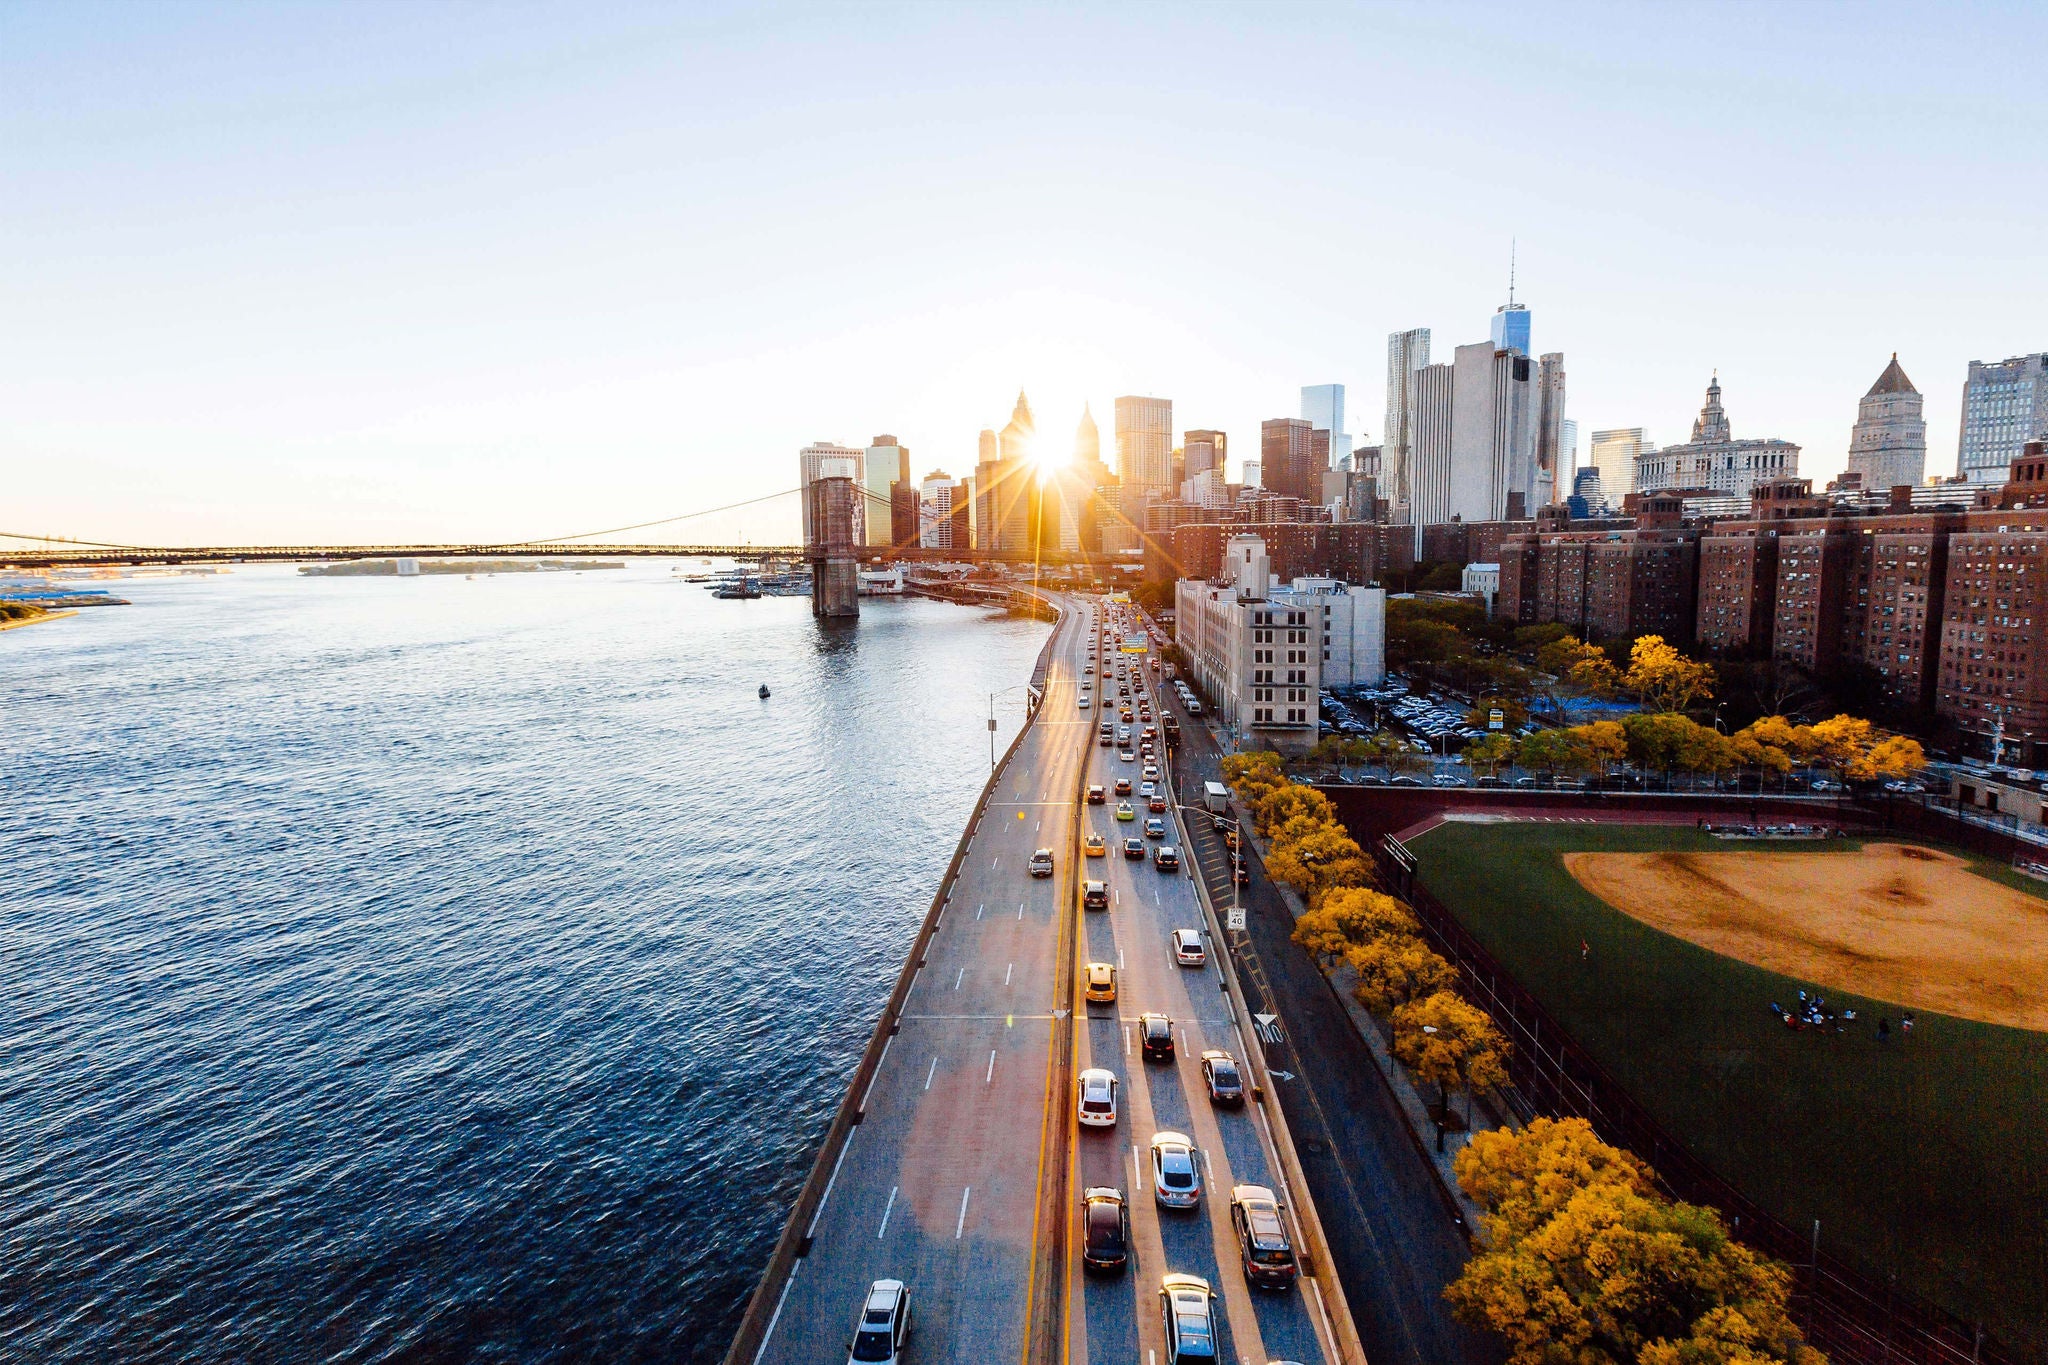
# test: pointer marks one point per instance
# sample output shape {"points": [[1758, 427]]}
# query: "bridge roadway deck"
{"points": [[940, 1184]]}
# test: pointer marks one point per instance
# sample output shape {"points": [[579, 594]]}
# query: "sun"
{"points": [[1047, 461]]}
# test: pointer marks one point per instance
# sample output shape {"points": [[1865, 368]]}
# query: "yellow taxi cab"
{"points": [[1093, 846], [1124, 811], [1101, 983]]}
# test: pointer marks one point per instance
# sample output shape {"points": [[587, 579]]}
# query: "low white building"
{"points": [[1262, 652], [1483, 580]]}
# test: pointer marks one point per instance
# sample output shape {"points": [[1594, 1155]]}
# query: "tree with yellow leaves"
{"points": [[1394, 969], [1450, 1044], [1314, 856], [1664, 679], [1350, 916], [1586, 1263], [1892, 756]]}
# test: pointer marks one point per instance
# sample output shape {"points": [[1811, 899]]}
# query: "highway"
{"points": [[964, 1176]]}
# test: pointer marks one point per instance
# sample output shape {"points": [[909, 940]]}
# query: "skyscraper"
{"points": [[1511, 327], [1322, 405], [2005, 405], [1494, 410], [1567, 452], [1427, 422], [886, 464], [1614, 453], [1551, 480], [1714, 459], [1144, 446], [1203, 451], [1288, 461], [1407, 352], [1087, 439], [1888, 444], [816, 456], [936, 512]]}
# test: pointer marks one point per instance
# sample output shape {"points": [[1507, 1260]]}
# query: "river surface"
{"points": [[444, 969]]}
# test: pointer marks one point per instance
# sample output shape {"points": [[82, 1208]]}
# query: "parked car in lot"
{"points": [[1176, 1171], [1262, 1242], [1166, 858], [1187, 948], [1155, 1037], [1041, 863], [1106, 1230], [1097, 1104], [1095, 895], [1220, 1074], [884, 1326]]}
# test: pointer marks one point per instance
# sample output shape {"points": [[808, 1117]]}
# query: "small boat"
{"points": [[764, 691]]}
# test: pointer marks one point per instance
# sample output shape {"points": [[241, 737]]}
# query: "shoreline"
{"points": [[39, 620]]}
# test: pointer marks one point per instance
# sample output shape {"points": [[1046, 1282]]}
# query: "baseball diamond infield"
{"points": [[1891, 921]]}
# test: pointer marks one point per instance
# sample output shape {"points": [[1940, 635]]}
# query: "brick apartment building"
{"points": [[1349, 551], [1604, 584]]}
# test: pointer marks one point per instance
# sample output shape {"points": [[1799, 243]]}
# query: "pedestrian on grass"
{"points": [[1884, 1028], [1906, 1024], [1585, 950]]}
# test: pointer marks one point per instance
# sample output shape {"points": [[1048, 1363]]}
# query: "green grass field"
{"points": [[1927, 1157]]}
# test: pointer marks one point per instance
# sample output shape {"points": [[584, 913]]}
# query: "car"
{"points": [[884, 1325], [1176, 1171], [1123, 786], [1095, 794], [1155, 828], [1134, 848], [1095, 895], [1146, 789], [1126, 756], [1105, 1230], [1166, 858], [1041, 863], [1262, 1242], [1150, 773], [1093, 846], [1157, 805], [1125, 811], [1123, 734], [1187, 948], [1106, 741], [1244, 872], [1101, 981], [1447, 780], [1220, 1074], [1155, 1037], [1149, 732], [1097, 1098]]}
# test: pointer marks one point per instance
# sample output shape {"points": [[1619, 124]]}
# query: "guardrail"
{"points": [[795, 1242]]}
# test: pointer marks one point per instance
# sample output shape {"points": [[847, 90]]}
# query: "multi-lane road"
{"points": [[964, 1176]]}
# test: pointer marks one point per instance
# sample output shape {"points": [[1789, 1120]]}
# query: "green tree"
{"points": [[1490, 752], [1514, 714]]}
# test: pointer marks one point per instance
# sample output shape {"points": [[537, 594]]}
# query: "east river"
{"points": [[449, 969]]}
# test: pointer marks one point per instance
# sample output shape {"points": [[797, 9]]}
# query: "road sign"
{"points": [[1496, 719], [1234, 921]]}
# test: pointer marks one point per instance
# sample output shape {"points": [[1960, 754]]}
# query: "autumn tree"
{"points": [[1664, 679], [1563, 751], [1514, 714], [1314, 856], [1449, 1043], [1521, 1177], [1350, 916], [1394, 969], [1490, 752], [1893, 756], [1236, 766]]}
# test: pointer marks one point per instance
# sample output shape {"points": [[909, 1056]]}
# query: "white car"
{"points": [[1084, 702], [1176, 1171], [884, 1326], [1098, 1098], [1150, 772], [1187, 948]]}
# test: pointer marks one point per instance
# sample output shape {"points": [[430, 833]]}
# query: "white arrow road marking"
{"points": [[1265, 1020], [1283, 1075]]}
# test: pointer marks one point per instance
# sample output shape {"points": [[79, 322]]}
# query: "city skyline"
{"points": [[275, 277]]}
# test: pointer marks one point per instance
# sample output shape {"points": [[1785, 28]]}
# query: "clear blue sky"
{"points": [[376, 271]]}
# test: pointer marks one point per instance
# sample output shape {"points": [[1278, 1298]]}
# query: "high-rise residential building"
{"points": [[1614, 453], [1553, 473], [1713, 459], [1288, 458], [817, 456], [1203, 451], [1322, 406], [886, 464], [935, 512], [1511, 328], [1144, 445], [1888, 445], [1407, 353], [2005, 405], [1494, 410]]}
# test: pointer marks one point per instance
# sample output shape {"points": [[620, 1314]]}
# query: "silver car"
{"points": [[1176, 1171]]}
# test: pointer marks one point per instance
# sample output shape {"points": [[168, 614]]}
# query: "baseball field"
{"points": [[1663, 950]]}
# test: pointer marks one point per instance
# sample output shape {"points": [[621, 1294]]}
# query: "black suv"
{"points": [[1155, 1037], [1262, 1237]]}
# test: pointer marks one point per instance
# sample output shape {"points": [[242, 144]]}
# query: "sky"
{"points": [[377, 272]]}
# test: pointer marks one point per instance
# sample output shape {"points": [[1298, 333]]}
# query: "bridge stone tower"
{"points": [[838, 523]]}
